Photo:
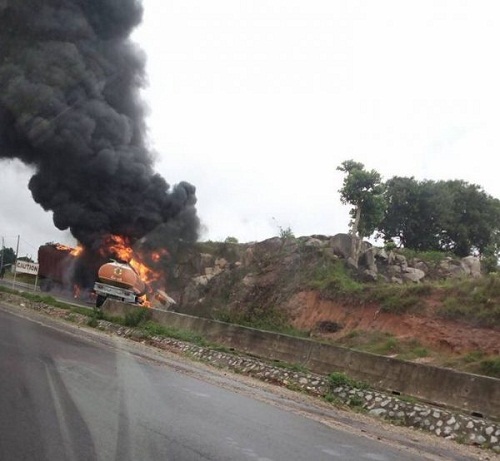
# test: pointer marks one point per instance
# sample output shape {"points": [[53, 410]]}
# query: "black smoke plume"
{"points": [[69, 106]]}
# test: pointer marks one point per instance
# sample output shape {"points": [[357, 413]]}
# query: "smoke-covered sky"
{"points": [[70, 79], [257, 103]]}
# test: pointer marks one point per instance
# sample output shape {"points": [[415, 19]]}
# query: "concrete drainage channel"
{"points": [[396, 409]]}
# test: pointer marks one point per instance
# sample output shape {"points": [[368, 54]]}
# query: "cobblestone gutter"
{"points": [[398, 410]]}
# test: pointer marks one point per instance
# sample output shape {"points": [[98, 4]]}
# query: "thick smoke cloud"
{"points": [[70, 107]]}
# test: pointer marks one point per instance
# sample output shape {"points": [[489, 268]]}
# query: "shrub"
{"points": [[339, 379], [137, 316]]}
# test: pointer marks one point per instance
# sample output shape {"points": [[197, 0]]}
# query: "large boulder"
{"points": [[413, 275], [451, 268], [367, 259], [341, 245], [471, 266]]}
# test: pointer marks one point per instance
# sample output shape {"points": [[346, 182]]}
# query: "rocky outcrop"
{"points": [[259, 272]]}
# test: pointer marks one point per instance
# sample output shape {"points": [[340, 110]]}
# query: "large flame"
{"points": [[119, 247], [77, 251]]}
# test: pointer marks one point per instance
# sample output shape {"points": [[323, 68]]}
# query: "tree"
{"points": [[7, 256], [413, 213], [472, 220], [444, 215], [363, 190]]}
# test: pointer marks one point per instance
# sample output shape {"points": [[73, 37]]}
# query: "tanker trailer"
{"points": [[55, 266], [118, 281]]}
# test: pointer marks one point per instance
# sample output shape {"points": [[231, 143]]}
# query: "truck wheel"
{"points": [[45, 285], [99, 301]]}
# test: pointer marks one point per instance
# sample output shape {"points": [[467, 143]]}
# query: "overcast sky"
{"points": [[257, 102]]}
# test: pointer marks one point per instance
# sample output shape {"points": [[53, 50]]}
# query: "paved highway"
{"points": [[72, 394]]}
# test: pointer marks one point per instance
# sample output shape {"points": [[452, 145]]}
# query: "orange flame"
{"points": [[120, 248], [77, 251]]}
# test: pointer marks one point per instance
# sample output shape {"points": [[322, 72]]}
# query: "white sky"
{"points": [[257, 102]]}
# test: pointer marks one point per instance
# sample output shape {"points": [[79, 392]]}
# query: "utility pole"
{"points": [[15, 262], [1, 259]]}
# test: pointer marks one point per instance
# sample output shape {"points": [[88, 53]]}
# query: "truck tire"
{"points": [[45, 285], [99, 301]]}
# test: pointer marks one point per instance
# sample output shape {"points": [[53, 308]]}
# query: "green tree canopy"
{"points": [[9, 256], [412, 214], [440, 215], [363, 190]]}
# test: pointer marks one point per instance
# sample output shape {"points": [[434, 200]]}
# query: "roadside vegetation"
{"points": [[267, 319], [473, 301]]}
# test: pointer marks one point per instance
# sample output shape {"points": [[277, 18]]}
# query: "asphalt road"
{"points": [[69, 394]]}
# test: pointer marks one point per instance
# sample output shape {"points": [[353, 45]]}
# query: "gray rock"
{"points": [[413, 275], [471, 266]]}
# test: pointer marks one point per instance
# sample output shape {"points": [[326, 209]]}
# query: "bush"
{"points": [[339, 379], [490, 367], [137, 316]]}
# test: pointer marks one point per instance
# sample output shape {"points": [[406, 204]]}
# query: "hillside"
{"points": [[429, 307]]}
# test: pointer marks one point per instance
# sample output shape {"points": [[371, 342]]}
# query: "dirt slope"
{"points": [[279, 281], [310, 311]]}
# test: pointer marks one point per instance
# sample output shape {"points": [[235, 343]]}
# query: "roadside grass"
{"points": [[296, 367], [475, 301], [381, 343], [260, 318], [33, 297], [340, 379], [154, 329], [476, 362], [399, 299], [21, 277], [335, 280]]}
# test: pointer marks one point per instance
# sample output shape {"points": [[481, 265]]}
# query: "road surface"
{"points": [[72, 394]]}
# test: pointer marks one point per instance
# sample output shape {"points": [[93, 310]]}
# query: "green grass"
{"points": [[338, 379], [8, 290], [490, 367], [335, 280], [400, 298], [381, 343], [155, 329], [475, 301], [137, 316], [290, 366], [431, 258], [45, 299], [260, 318], [476, 362]]}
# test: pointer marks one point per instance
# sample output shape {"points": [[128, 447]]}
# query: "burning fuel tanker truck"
{"points": [[61, 269], [118, 281]]}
